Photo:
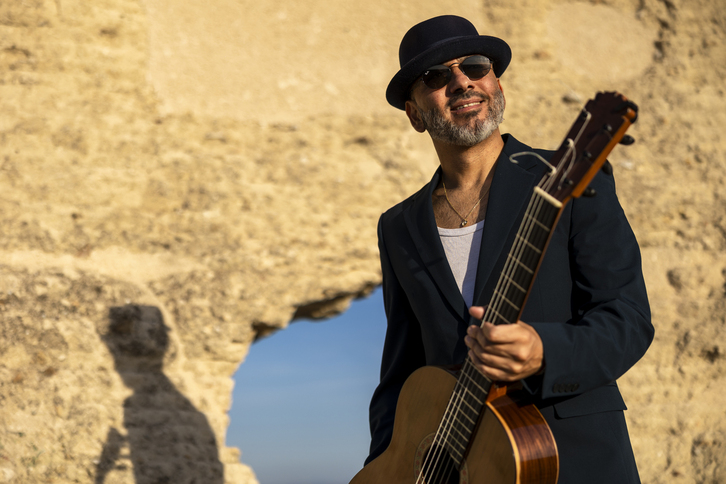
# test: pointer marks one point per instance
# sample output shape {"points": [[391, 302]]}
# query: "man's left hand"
{"points": [[507, 352]]}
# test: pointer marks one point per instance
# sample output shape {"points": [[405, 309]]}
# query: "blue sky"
{"points": [[300, 404]]}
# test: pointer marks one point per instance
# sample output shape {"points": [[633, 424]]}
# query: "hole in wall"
{"points": [[300, 403]]}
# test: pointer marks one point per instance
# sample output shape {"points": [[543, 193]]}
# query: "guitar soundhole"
{"points": [[433, 465]]}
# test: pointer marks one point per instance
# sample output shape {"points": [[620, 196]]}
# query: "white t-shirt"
{"points": [[462, 251]]}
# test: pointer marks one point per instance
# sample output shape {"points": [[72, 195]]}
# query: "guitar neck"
{"points": [[505, 307], [525, 256]]}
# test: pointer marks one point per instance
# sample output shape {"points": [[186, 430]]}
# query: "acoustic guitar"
{"points": [[459, 427]]}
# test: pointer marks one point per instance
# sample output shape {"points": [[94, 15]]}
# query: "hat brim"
{"points": [[496, 49]]}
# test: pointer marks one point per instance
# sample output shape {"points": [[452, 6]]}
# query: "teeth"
{"points": [[467, 105]]}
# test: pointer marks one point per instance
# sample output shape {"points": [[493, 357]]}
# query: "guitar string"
{"points": [[449, 423], [441, 439], [537, 204], [444, 433], [572, 146], [459, 396], [494, 306], [431, 463], [534, 210], [519, 244], [514, 260], [433, 457], [443, 469], [545, 184]]}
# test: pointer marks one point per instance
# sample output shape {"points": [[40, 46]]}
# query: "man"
{"points": [[442, 249]]}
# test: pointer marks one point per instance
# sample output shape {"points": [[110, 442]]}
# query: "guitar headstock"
{"points": [[599, 127]]}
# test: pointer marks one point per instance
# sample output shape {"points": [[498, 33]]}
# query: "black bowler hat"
{"points": [[438, 40]]}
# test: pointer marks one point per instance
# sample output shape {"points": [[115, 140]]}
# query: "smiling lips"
{"points": [[457, 108]]}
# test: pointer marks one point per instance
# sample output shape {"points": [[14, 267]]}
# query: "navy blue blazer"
{"points": [[588, 304]]}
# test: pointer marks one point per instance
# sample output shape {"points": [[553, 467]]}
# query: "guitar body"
{"points": [[513, 444]]}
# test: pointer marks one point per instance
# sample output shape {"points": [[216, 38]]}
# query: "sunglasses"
{"points": [[474, 67]]}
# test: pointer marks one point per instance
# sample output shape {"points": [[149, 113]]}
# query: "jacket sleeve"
{"points": [[610, 329], [403, 353]]}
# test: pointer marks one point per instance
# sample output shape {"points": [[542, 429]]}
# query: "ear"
{"points": [[414, 116], [499, 83]]}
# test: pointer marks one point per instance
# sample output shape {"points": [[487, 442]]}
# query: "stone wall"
{"points": [[180, 178]]}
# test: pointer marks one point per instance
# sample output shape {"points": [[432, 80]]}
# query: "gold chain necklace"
{"points": [[463, 218]]}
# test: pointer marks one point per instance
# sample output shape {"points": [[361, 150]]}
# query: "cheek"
{"points": [[414, 116]]}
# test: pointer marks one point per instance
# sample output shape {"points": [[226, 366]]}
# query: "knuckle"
{"points": [[519, 355]]}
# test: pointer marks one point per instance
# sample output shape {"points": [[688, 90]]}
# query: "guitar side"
{"points": [[504, 450]]}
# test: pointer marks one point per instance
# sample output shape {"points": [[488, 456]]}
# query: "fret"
{"points": [[455, 445], [464, 433], [536, 237], [457, 436], [514, 295], [460, 409], [514, 306], [536, 231], [527, 255], [514, 292], [459, 455], [468, 418], [522, 275], [546, 216], [469, 405], [473, 395], [513, 283], [526, 242], [499, 319], [473, 378], [540, 224], [497, 314], [520, 264]]}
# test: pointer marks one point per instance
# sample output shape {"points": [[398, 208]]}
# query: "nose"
{"points": [[459, 81]]}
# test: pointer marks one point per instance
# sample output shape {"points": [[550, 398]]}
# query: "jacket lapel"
{"points": [[421, 224], [511, 189]]}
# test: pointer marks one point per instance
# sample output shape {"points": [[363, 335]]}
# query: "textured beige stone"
{"points": [[221, 166]]}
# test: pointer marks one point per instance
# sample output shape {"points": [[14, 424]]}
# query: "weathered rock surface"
{"points": [[179, 178]]}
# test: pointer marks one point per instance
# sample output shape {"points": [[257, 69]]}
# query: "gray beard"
{"points": [[471, 134]]}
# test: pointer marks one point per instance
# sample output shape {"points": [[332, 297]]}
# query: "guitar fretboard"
{"points": [[470, 393], [523, 260]]}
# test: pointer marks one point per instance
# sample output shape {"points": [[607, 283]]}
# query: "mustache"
{"points": [[468, 95]]}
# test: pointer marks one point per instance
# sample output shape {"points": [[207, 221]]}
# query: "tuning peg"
{"points": [[627, 140], [589, 192], [607, 168]]}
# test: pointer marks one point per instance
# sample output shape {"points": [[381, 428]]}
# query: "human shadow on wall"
{"points": [[169, 441]]}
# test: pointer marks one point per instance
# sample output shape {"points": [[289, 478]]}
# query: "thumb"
{"points": [[476, 312]]}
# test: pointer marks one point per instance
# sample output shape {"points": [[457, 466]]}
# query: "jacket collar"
{"points": [[511, 188], [421, 224]]}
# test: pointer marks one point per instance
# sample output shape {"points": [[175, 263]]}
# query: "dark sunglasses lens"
{"points": [[437, 77], [476, 67]]}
